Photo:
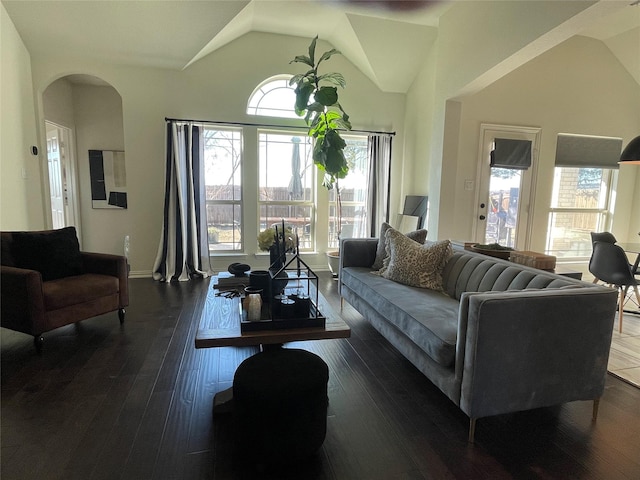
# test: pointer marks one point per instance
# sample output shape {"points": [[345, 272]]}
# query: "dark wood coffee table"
{"points": [[220, 327]]}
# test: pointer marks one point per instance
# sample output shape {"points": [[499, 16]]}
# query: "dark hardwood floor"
{"points": [[134, 402]]}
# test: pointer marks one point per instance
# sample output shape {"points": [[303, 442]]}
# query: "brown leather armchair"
{"points": [[47, 282]]}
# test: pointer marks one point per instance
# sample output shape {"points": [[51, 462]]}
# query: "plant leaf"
{"points": [[311, 119], [295, 79], [316, 107], [319, 154], [303, 92], [335, 78], [327, 55], [327, 96], [336, 141], [330, 118], [318, 127], [312, 50], [302, 59], [340, 124], [328, 182]]}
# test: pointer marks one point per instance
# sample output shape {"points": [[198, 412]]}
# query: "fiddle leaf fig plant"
{"points": [[317, 101]]}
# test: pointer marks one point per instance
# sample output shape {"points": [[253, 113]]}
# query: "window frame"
{"points": [[239, 246], [332, 242], [308, 240], [262, 93], [604, 212]]}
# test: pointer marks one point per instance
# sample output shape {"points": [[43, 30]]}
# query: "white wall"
{"points": [[577, 87], [97, 112], [21, 205], [478, 43], [215, 88], [57, 103]]}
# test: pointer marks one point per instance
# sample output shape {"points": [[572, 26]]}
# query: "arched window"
{"points": [[273, 98]]}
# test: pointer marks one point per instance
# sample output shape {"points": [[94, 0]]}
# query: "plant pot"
{"points": [[333, 258]]}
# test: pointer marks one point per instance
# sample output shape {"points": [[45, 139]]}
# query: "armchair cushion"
{"points": [[55, 254], [76, 290]]}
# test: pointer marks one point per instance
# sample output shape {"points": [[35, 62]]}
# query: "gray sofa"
{"points": [[501, 338]]}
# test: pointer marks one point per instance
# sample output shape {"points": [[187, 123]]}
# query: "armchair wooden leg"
{"points": [[121, 313], [472, 429], [596, 404]]}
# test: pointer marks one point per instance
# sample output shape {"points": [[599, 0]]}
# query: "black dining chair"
{"points": [[609, 263], [608, 237], [602, 237]]}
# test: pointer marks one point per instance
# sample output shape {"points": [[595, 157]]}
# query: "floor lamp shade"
{"points": [[631, 153]]}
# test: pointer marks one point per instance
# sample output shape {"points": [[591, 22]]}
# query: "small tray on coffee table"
{"points": [[315, 319]]}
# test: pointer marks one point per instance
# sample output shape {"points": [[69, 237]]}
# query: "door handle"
{"points": [[482, 217]]}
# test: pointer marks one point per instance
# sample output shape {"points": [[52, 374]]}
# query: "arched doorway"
{"points": [[81, 112]]}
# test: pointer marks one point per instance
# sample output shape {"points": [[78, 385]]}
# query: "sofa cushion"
{"points": [[413, 264], [427, 317], [55, 254], [381, 252]]}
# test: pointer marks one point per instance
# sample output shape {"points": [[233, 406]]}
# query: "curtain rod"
{"points": [[267, 125]]}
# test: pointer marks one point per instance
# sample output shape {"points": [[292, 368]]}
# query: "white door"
{"points": [[62, 179], [505, 195], [56, 187]]}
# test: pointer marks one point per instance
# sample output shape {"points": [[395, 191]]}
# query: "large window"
{"points": [[256, 177], [286, 185], [582, 189], [223, 181], [580, 204]]}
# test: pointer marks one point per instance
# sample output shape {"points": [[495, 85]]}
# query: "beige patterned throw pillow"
{"points": [[413, 264]]}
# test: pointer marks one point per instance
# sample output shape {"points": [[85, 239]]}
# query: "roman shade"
{"points": [[513, 154], [587, 151]]}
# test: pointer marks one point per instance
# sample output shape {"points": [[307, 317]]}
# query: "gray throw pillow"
{"points": [[416, 265], [417, 235]]}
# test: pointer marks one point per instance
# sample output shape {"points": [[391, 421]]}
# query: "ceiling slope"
{"points": [[388, 46]]}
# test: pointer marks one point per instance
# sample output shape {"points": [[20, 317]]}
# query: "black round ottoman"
{"points": [[280, 405]]}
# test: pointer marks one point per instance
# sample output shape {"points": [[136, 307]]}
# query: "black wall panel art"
{"points": [[108, 179]]}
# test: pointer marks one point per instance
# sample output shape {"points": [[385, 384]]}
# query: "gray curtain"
{"points": [[183, 251], [379, 147]]}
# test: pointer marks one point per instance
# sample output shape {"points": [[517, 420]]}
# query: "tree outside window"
{"points": [[223, 188]]}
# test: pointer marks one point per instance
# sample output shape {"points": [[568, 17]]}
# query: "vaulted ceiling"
{"points": [[176, 34]]}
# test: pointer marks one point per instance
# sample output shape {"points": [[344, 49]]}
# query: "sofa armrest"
{"points": [[22, 300], [107, 264], [519, 350], [358, 252]]}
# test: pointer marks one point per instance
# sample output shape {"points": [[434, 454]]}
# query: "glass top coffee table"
{"points": [[220, 325]]}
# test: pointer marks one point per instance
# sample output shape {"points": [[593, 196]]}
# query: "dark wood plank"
{"points": [[134, 402]]}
